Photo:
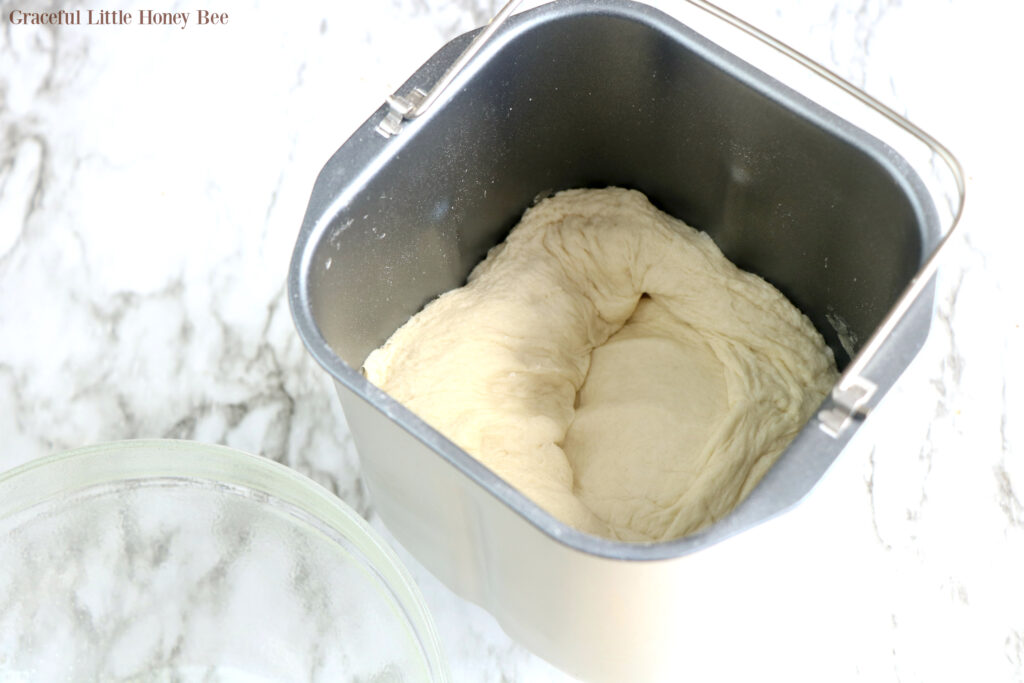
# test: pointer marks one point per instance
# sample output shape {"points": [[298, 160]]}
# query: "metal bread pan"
{"points": [[591, 94]]}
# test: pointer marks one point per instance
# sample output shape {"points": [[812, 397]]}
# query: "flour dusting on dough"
{"points": [[609, 362]]}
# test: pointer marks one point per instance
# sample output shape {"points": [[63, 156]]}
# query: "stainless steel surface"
{"points": [[595, 93]]}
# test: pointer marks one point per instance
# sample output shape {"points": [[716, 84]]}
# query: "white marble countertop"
{"points": [[152, 182]]}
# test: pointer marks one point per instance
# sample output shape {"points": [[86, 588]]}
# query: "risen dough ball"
{"points": [[608, 361]]}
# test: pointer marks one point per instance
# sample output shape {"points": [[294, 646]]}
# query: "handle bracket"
{"points": [[849, 397], [402, 108]]}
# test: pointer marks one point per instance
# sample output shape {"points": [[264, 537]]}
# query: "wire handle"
{"points": [[853, 391]]}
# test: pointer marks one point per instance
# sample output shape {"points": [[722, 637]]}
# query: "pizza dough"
{"points": [[611, 364]]}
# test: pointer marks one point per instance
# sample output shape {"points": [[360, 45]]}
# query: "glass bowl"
{"points": [[173, 560]]}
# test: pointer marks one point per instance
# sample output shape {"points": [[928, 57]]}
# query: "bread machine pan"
{"points": [[591, 94]]}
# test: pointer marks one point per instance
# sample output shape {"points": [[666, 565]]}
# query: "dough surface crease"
{"points": [[611, 364]]}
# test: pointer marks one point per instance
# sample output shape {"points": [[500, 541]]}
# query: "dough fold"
{"points": [[610, 363]]}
